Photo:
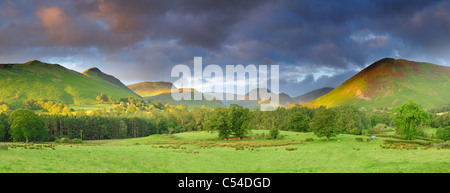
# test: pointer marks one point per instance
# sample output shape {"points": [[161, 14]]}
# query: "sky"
{"points": [[316, 43]]}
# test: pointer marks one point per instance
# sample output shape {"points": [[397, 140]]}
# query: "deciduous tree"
{"points": [[324, 123], [25, 124], [408, 118]]}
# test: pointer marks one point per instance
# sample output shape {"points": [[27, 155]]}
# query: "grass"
{"points": [[35, 80], [203, 152]]}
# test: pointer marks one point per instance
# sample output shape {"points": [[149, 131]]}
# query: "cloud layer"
{"points": [[316, 43]]}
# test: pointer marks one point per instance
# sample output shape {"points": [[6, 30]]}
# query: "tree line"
{"points": [[132, 118]]}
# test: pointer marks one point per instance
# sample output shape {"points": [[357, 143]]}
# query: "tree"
{"points": [[443, 133], [298, 121], [110, 100], [131, 108], [4, 108], [122, 129], [81, 113], [408, 118], [66, 111], [323, 123], [351, 120], [220, 121], [2, 130], [25, 124], [239, 118], [274, 132], [102, 98]]}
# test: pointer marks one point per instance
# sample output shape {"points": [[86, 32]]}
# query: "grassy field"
{"points": [[202, 152]]}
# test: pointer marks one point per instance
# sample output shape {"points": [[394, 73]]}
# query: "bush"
{"points": [[443, 133], [3, 147], [424, 143], [379, 128], [65, 140], [69, 141], [309, 139], [274, 133], [261, 136]]}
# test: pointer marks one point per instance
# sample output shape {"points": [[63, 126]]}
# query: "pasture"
{"points": [[203, 152]]}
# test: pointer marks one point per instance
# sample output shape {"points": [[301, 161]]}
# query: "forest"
{"points": [[132, 118]]}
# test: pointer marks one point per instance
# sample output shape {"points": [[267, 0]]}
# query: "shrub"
{"points": [[3, 147], [291, 149], [443, 133], [309, 139], [379, 128], [274, 133], [68, 141], [424, 143], [75, 140], [360, 139]]}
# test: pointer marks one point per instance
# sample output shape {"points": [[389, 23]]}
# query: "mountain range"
{"points": [[386, 83]]}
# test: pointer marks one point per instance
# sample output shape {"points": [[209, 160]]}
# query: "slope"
{"points": [[312, 95]]}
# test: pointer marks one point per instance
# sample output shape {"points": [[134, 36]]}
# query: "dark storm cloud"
{"points": [[141, 40], [310, 82]]}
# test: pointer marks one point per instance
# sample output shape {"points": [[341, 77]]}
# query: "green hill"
{"points": [[147, 89], [35, 80], [392, 82]]}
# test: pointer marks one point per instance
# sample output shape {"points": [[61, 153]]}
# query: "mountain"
{"points": [[310, 96], [391, 82], [147, 89], [35, 80], [284, 99], [97, 73], [166, 98]]}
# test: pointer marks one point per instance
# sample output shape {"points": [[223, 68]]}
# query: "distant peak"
{"points": [[387, 60], [33, 61], [93, 69]]}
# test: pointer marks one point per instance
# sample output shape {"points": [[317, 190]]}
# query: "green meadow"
{"points": [[203, 152]]}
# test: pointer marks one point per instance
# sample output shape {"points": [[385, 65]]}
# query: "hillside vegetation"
{"points": [[391, 82], [35, 80]]}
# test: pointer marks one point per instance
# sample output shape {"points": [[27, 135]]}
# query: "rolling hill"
{"points": [[35, 80], [391, 82]]}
